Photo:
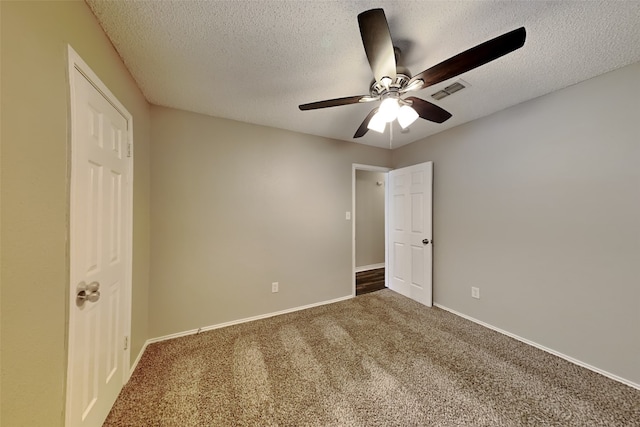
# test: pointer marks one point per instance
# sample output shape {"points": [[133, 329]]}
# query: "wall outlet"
{"points": [[475, 292], [274, 287]]}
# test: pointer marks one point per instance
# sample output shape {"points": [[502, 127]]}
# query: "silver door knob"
{"points": [[88, 292], [425, 241]]}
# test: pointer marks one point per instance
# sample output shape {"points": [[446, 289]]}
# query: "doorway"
{"points": [[369, 228], [408, 238]]}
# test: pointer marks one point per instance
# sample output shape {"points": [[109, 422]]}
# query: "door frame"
{"points": [[75, 62], [355, 167]]}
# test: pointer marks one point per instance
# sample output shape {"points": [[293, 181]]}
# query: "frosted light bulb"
{"points": [[406, 116], [377, 123], [389, 109]]}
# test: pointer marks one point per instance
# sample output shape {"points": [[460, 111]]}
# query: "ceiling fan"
{"points": [[392, 80]]}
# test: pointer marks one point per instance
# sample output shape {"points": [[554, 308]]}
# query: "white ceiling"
{"points": [[256, 61]]}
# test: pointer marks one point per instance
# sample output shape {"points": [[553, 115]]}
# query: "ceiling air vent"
{"points": [[449, 90]]}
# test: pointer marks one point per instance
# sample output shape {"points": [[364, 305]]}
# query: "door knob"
{"points": [[88, 292], [425, 241]]}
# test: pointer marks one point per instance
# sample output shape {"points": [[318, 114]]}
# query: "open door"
{"points": [[409, 242]]}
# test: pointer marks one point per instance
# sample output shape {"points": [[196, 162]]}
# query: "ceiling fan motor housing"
{"points": [[400, 82]]}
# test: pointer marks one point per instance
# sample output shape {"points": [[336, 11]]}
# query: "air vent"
{"points": [[449, 90], [440, 94], [454, 88]]}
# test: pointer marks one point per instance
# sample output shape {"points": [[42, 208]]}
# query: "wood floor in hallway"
{"points": [[369, 281]]}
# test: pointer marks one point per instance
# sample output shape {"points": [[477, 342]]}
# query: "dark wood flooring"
{"points": [[369, 281]]}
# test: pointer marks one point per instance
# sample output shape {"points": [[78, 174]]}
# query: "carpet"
{"points": [[376, 360]]}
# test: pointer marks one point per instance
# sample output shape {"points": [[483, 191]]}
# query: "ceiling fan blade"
{"points": [[337, 102], [377, 42], [472, 58], [363, 127], [429, 111]]}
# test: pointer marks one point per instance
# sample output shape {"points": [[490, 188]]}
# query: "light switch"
{"points": [[347, 216]]}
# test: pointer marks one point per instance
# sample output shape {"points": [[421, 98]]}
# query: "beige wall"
{"points": [[369, 218], [539, 206], [35, 225], [238, 206]]}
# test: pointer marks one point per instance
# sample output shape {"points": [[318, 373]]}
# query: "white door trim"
{"points": [[75, 62], [354, 168]]}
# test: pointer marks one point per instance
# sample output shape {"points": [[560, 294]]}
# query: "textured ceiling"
{"points": [[256, 61]]}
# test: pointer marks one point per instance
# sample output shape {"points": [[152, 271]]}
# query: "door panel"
{"points": [[113, 333], [411, 196], [93, 216], [398, 262], [88, 360], [100, 205], [398, 272], [417, 270], [115, 217], [417, 214]]}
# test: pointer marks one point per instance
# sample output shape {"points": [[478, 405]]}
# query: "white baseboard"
{"points": [[236, 322], [369, 267], [135, 363], [543, 348]]}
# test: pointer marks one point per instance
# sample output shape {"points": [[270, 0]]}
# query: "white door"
{"points": [[410, 240], [100, 252]]}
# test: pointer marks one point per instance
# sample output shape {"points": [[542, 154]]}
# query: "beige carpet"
{"points": [[376, 360]]}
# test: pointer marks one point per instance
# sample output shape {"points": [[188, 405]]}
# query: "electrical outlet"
{"points": [[274, 287], [475, 292]]}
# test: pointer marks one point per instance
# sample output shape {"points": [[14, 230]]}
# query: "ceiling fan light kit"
{"points": [[393, 80], [377, 123], [388, 109], [406, 116]]}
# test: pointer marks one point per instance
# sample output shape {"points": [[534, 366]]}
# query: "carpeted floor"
{"points": [[376, 360]]}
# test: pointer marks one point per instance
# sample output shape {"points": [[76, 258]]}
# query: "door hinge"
{"points": [[128, 149], [126, 342]]}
